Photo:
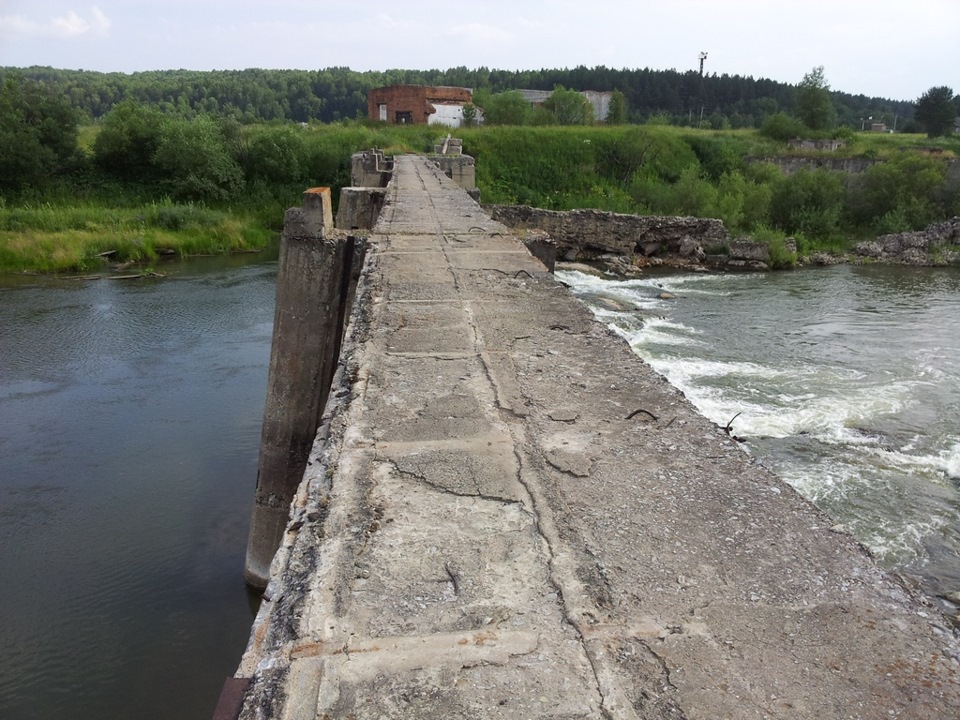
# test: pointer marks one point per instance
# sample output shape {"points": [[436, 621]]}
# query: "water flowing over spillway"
{"points": [[845, 381]]}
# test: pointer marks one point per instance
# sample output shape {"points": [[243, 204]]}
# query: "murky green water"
{"points": [[130, 416], [846, 381]]}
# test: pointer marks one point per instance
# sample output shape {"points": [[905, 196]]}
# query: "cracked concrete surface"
{"points": [[508, 515]]}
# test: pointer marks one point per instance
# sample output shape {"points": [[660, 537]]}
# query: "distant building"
{"points": [[879, 127], [600, 101], [419, 105]]}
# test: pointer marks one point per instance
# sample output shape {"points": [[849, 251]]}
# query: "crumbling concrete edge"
{"points": [[276, 628]]}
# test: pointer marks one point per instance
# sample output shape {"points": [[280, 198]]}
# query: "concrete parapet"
{"points": [[450, 146], [359, 207], [313, 281], [542, 247], [370, 168], [459, 168]]}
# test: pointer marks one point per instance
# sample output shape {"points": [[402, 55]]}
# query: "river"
{"points": [[130, 417], [845, 381]]}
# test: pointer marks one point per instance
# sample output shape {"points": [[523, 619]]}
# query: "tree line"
{"points": [[339, 93]]}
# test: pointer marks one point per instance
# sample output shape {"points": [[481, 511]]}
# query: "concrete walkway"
{"points": [[508, 515]]}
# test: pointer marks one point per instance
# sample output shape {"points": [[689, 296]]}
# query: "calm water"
{"points": [[846, 381], [130, 415]]}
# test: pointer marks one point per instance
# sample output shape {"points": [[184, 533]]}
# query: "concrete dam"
{"points": [[501, 512]]}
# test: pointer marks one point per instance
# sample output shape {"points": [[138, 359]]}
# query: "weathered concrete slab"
{"points": [[508, 515]]}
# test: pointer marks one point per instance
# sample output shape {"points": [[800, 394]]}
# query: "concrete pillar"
{"points": [[359, 207], [313, 280]]}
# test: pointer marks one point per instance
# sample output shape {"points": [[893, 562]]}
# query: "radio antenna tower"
{"points": [[703, 57]]}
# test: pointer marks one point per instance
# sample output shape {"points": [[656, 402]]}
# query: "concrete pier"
{"points": [[313, 278], [506, 514]]}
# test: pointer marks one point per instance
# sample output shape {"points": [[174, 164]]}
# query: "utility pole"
{"points": [[703, 57]]}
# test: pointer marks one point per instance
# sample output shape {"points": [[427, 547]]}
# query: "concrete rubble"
{"points": [[507, 514]]}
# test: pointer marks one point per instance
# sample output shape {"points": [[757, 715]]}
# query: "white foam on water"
{"points": [[897, 543], [701, 284], [658, 331], [951, 461], [843, 481], [843, 466]]}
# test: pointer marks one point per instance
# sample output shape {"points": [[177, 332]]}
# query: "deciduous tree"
{"points": [[814, 105], [196, 160], [128, 140], [507, 108], [38, 133], [617, 112], [569, 107]]}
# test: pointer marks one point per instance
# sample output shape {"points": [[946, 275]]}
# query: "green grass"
{"points": [[54, 238], [90, 219]]}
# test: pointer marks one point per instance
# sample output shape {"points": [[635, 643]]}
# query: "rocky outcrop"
{"points": [[588, 234], [938, 244], [625, 243]]}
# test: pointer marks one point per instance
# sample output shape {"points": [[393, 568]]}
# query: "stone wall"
{"points": [[790, 165], [588, 234]]}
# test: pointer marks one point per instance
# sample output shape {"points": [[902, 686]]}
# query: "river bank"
{"points": [[625, 244], [94, 236]]}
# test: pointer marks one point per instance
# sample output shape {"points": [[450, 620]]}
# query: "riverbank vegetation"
{"points": [[737, 176], [144, 181]]}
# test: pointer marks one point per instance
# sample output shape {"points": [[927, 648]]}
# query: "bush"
{"points": [[782, 127], [196, 162], [693, 194], [904, 193], [781, 255], [808, 202], [276, 153]]}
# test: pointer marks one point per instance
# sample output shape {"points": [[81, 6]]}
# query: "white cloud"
{"points": [[65, 26]]}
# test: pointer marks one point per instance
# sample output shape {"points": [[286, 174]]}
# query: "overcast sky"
{"points": [[888, 48]]}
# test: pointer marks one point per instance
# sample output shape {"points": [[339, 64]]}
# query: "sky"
{"points": [[887, 48]]}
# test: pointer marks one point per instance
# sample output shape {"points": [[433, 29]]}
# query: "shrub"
{"points": [[782, 127], [904, 193], [808, 202], [781, 254], [276, 154], [196, 162], [128, 140]]}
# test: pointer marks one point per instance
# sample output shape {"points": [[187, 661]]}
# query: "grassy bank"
{"points": [[664, 170], [227, 194], [55, 238], [211, 188]]}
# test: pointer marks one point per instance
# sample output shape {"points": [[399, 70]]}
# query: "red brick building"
{"points": [[418, 104]]}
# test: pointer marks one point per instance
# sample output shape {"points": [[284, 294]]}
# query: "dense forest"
{"points": [[339, 93]]}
